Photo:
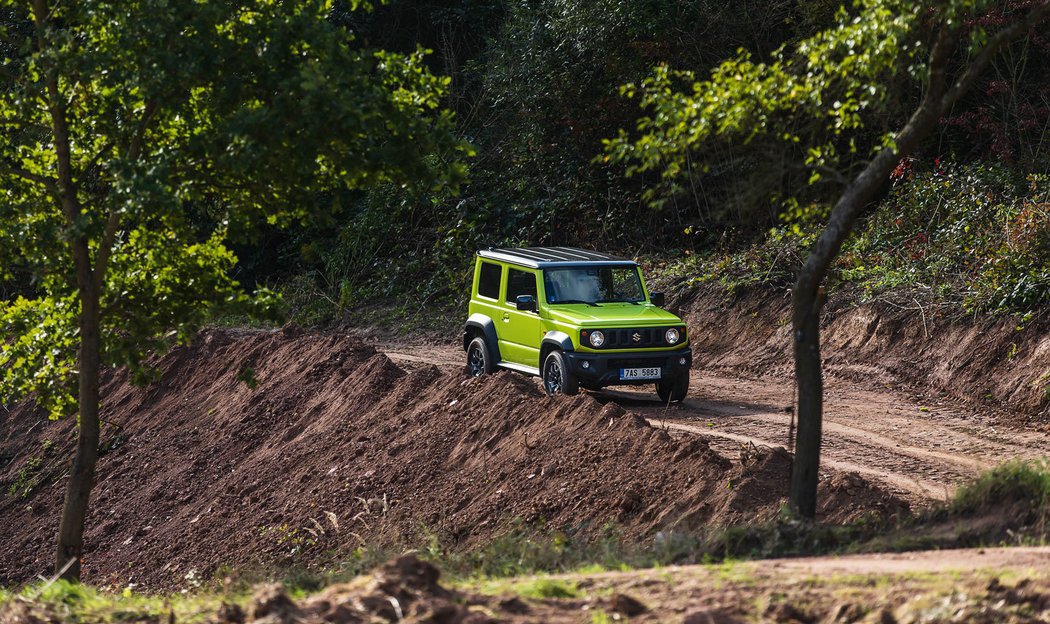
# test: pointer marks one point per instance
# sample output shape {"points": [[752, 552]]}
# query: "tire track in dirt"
{"points": [[923, 489], [923, 451]]}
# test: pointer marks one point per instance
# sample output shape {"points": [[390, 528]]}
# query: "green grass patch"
{"points": [[73, 602], [539, 588]]}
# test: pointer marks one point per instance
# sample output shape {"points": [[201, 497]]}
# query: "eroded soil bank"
{"points": [[293, 449], [998, 362]]}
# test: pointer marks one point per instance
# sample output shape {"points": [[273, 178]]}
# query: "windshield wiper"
{"points": [[635, 302], [590, 303]]}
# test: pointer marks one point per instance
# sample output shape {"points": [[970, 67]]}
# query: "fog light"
{"points": [[585, 364], [681, 361]]}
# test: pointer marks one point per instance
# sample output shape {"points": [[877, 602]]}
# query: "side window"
{"points": [[488, 283], [520, 283]]}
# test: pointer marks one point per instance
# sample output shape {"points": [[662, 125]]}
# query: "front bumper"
{"points": [[595, 370]]}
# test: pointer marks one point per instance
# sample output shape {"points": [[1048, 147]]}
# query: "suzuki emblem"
{"points": [[636, 337]]}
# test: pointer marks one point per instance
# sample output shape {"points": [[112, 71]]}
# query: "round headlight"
{"points": [[597, 339], [671, 336]]}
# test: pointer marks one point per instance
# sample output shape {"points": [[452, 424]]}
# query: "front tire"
{"points": [[556, 376], [674, 389], [479, 358]]}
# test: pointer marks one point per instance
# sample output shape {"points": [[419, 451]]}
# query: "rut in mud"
{"points": [[337, 447]]}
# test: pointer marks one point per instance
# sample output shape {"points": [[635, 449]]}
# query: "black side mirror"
{"points": [[525, 303], [657, 299]]}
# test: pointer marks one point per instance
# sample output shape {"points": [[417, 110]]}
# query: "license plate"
{"points": [[627, 374]]}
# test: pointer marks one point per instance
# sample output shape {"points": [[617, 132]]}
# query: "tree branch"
{"points": [[135, 147], [59, 126], [1014, 31], [91, 164], [830, 173], [109, 236], [48, 182]]}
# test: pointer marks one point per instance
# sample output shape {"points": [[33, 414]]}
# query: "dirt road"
{"points": [[919, 450]]}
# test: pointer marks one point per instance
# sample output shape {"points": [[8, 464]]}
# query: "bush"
{"points": [[974, 235], [1018, 482]]}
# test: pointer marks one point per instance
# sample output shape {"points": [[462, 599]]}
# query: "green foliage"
{"points": [[187, 124], [37, 470], [26, 479], [1018, 482], [975, 236], [811, 99], [536, 102], [247, 376], [74, 602], [547, 588]]}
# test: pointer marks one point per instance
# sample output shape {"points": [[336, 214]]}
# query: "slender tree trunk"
{"points": [[807, 301], [70, 542], [82, 478], [810, 402], [808, 298]]}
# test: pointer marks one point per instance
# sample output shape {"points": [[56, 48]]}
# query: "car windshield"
{"points": [[590, 285]]}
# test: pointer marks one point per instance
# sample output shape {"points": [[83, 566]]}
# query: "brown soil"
{"points": [[999, 363], [918, 448], [338, 447]]}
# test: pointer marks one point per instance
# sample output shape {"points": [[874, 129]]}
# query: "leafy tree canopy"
{"points": [[821, 106], [138, 136]]}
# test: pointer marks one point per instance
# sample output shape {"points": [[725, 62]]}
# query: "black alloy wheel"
{"points": [[556, 376], [479, 362]]}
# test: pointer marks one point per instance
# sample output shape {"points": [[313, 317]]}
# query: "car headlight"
{"points": [[597, 339], [672, 336]]}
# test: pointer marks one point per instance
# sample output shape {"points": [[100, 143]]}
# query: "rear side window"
{"points": [[520, 283], [488, 283]]}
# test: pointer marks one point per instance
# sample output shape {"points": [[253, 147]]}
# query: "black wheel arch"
{"points": [[554, 340], [481, 325]]}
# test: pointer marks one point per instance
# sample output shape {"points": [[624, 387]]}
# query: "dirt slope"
{"points": [[338, 447], [991, 362], [916, 447]]}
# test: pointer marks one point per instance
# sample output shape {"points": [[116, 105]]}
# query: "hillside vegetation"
{"points": [[537, 88]]}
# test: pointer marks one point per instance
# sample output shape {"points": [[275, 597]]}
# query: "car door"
{"points": [[520, 331]]}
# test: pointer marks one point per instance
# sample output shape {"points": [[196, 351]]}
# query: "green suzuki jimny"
{"points": [[574, 318]]}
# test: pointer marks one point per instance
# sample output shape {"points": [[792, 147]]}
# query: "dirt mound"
{"points": [[265, 449], [405, 589], [1001, 361]]}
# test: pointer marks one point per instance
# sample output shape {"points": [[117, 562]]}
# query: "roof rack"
{"points": [[550, 257]]}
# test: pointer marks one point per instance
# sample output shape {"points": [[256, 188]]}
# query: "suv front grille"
{"points": [[625, 338]]}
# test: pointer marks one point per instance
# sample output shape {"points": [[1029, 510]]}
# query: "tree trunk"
{"points": [[810, 401], [807, 300], [808, 297], [82, 478]]}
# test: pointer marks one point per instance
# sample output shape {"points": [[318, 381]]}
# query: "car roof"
{"points": [[553, 257]]}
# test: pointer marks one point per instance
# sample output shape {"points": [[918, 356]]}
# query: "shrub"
{"points": [[1018, 482]]}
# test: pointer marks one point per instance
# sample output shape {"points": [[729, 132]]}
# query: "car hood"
{"points": [[612, 315]]}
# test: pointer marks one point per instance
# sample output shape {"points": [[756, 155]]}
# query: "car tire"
{"points": [[674, 389], [479, 358], [556, 376]]}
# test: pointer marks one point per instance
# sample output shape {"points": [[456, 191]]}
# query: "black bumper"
{"points": [[595, 370]]}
